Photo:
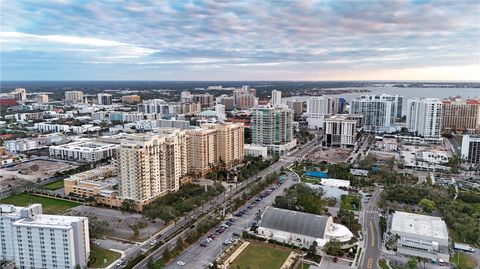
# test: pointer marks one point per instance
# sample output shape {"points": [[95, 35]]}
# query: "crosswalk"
{"points": [[371, 211]]}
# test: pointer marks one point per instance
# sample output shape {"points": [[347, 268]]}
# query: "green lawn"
{"points": [[54, 185], [309, 180], [102, 257], [304, 266], [260, 257], [50, 206], [465, 261], [383, 264]]}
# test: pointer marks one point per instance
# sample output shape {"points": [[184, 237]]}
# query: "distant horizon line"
{"points": [[94, 80]]}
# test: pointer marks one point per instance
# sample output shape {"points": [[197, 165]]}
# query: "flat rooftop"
{"points": [[421, 225], [50, 221], [86, 145]]}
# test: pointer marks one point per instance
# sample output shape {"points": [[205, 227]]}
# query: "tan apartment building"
{"points": [[91, 182], [461, 115], [94, 183], [202, 153], [230, 144], [130, 99], [152, 165]]}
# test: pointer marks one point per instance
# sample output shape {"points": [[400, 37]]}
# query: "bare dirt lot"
{"points": [[333, 155], [33, 171], [120, 223]]}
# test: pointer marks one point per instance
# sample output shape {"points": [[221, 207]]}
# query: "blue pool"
{"points": [[318, 174]]}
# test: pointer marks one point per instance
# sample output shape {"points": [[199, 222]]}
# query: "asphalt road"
{"points": [[364, 146], [198, 257], [221, 199], [372, 238]]}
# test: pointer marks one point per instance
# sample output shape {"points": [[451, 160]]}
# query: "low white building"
{"points": [[386, 144], [48, 127], [282, 149], [301, 229], [84, 128], [19, 145], [34, 240], [420, 235], [255, 150], [424, 160], [87, 150]]}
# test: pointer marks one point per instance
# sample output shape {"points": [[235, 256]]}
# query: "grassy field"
{"points": [[50, 206], [102, 257], [260, 257], [464, 261], [54, 185]]}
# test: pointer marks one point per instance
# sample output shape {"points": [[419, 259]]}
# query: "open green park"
{"points": [[50, 205], [101, 258], [260, 257]]}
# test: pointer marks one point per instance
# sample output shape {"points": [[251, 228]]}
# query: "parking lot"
{"points": [[120, 222], [200, 257]]}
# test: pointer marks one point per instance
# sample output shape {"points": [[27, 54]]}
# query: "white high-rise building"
{"points": [[379, 111], [73, 97], [20, 94], [341, 130], [220, 112], [35, 240], [276, 99], [424, 117], [318, 108], [104, 99], [471, 148]]}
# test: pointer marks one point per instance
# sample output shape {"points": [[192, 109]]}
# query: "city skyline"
{"points": [[206, 40]]}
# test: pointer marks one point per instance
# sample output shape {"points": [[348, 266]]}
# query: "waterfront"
{"points": [[407, 93]]}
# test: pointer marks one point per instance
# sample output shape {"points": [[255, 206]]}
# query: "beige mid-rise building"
{"points": [[202, 153], [73, 97], [230, 147], [130, 99], [461, 115], [41, 98], [152, 165]]}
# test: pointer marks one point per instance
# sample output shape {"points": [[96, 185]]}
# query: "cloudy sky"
{"points": [[240, 40]]}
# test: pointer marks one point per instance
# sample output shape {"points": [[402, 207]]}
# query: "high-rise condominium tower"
{"points": [[424, 117]]}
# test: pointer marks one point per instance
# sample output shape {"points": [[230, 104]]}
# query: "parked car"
{"points": [[236, 234], [181, 263]]}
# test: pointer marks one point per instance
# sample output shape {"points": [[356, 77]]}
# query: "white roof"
{"points": [[335, 182], [50, 221], [421, 225]]}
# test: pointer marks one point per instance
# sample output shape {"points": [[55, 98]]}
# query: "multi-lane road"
{"points": [[181, 226], [371, 232]]}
